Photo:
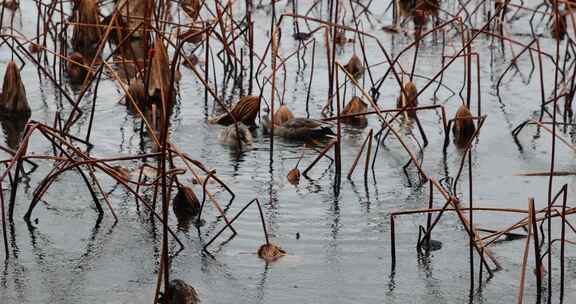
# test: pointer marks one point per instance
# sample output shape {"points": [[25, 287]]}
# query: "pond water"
{"points": [[342, 254]]}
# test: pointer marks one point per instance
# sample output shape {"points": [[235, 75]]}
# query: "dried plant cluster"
{"points": [[143, 44]]}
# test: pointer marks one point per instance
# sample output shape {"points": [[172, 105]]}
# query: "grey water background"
{"points": [[343, 254]]}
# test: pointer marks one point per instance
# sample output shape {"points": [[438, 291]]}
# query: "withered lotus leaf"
{"points": [[294, 176], [13, 99], [245, 111], [464, 127], [355, 106], [282, 115], [87, 31]]}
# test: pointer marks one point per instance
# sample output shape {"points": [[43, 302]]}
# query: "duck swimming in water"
{"points": [[230, 137], [299, 128]]}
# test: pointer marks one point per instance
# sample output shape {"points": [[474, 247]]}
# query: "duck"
{"points": [[299, 128], [228, 136], [463, 128]]}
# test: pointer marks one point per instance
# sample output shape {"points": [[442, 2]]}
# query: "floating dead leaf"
{"points": [[294, 176], [13, 99], [270, 252]]}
